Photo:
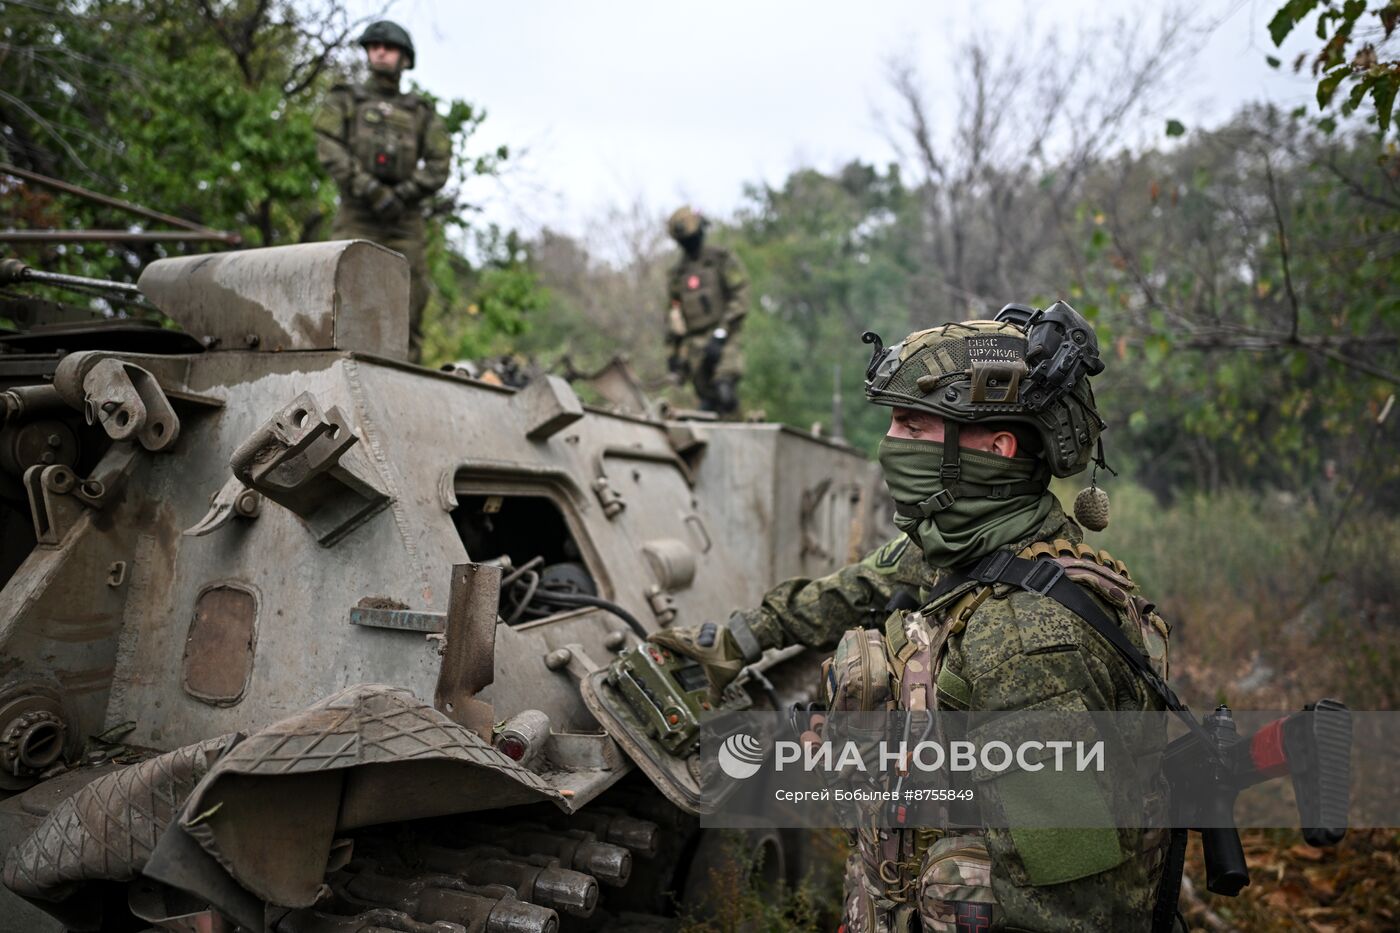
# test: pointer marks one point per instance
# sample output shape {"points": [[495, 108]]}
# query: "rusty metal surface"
{"points": [[128, 402], [400, 620], [14, 271], [347, 295], [304, 460], [469, 655], [115, 236], [233, 500], [219, 649]]}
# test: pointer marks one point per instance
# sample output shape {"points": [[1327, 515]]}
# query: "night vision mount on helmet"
{"points": [[1025, 367]]}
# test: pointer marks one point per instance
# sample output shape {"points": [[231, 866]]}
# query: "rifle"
{"points": [[1206, 771]]}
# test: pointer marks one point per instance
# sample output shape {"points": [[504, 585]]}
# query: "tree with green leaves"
{"points": [[203, 110], [830, 256], [1358, 53]]}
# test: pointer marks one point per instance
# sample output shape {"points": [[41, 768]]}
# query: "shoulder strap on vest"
{"points": [[1047, 577]]}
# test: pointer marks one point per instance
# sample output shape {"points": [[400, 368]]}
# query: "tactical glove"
{"points": [[717, 648], [386, 205]]}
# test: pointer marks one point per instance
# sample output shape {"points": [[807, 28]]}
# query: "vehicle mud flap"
{"points": [[180, 863], [677, 777], [269, 810], [105, 831]]}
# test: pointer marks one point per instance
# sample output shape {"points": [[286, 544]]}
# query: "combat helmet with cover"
{"points": [[685, 223], [1025, 367], [389, 32]]}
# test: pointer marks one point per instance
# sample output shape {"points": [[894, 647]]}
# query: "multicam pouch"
{"points": [[955, 886], [857, 677]]}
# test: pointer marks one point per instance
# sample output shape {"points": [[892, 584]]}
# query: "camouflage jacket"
{"points": [[710, 291], [1016, 651], [371, 133]]}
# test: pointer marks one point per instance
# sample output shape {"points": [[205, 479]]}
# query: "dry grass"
{"points": [[1261, 618]]}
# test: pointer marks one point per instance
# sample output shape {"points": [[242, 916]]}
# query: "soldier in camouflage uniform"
{"points": [[980, 423], [389, 152], [709, 293]]}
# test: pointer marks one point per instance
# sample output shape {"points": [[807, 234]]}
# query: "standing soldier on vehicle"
{"points": [[388, 152], [709, 294], [984, 414]]}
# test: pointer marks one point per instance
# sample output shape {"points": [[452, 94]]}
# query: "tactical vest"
{"points": [[700, 284], [385, 134], [942, 876]]}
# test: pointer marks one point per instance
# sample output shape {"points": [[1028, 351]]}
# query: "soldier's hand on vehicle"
{"points": [[717, 649]]}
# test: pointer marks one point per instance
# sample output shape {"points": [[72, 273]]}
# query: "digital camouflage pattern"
{"points": [[817, 612], [388, 152], [707, 291], [994, 649], [1013, 650]]}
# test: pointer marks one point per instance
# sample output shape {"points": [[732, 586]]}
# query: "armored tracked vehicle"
{"points": [[292, 631]]}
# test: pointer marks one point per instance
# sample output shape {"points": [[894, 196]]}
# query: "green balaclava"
{"points": [[970, 527]]}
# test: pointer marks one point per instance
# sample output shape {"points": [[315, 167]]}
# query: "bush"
{"points": [[1258, 601]]}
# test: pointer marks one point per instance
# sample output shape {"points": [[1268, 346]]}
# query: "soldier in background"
{"points": [[709, 293], [388, 152]]}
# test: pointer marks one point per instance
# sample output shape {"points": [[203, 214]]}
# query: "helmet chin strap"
{"points": [[952, 453]]}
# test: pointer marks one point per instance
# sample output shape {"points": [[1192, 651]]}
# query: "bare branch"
{"points": [[1356, 187], [47, 127], [1282, 245]]}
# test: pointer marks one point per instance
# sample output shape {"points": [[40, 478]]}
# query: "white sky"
{"points": [[662, 103]]}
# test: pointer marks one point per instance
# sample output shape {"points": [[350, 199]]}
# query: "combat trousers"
{"points": [[716, 388], [406, 235]]}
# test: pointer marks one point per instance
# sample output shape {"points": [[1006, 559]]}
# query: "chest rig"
{"points": [[939, 874], [701, 288], [1048, 568], [384, 135]]}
